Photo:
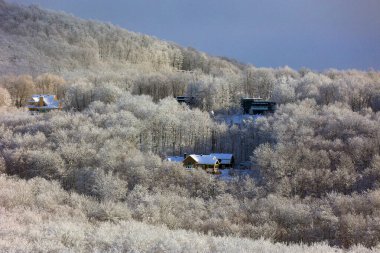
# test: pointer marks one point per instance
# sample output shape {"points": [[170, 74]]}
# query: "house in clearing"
{"points": [[44, 103], [206, 162], [225, 160]]}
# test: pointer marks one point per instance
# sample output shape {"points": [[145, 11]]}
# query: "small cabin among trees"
{"points": [[207, 162], [44, 103], [212, 162], [257, 106]]}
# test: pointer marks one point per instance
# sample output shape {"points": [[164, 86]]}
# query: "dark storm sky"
{"points": [[317, 34]]}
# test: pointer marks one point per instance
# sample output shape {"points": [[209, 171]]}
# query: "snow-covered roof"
{"points": [[34, 99], [205, 159], [175, 159], [50, 101], [222, 156], [225, 161]]}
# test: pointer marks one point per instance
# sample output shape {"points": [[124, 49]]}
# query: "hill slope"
{"points": [[33, 40]]}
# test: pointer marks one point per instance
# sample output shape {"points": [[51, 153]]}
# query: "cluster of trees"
{"points": [[16, 90], [38, 215], [318, 149], [164, 127], [168, 129]]}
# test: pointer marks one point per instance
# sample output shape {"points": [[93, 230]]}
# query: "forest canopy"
{"points": [[102, 158]]}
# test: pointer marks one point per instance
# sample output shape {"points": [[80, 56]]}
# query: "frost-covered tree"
{"points": [[20, 88], [49, 84], [5, 97]]}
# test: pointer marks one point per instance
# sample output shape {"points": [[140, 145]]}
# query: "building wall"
{"points": [[189, 162]]}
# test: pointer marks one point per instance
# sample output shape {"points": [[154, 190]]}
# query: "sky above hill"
{"points": [[318, 34]]}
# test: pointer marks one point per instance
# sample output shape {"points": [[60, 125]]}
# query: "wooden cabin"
{"points": [[44, 103], [206, 162], [257, 106]]}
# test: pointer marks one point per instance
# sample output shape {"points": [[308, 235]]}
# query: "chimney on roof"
{"points": [[41, 102]]}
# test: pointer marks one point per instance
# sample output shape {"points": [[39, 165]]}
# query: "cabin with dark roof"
{"points": [[257, 106], [189, 100]]}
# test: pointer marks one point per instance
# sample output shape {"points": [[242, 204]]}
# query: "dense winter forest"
{"points": [[92, 177]]}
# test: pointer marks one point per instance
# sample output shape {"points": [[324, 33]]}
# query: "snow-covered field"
{"points": [[229, 174]]}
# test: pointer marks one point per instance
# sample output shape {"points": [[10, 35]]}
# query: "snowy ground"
{"points": [[236, 119], [229, 174]]}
